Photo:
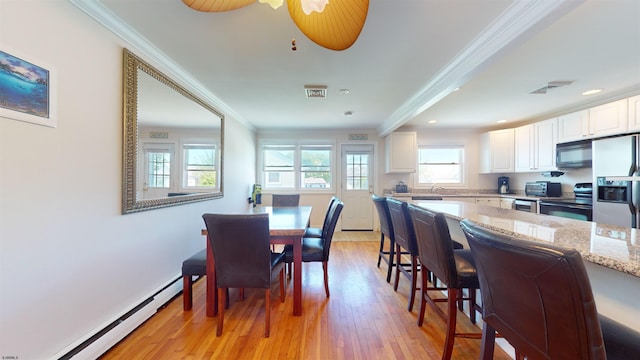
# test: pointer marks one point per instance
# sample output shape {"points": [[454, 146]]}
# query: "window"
{"points": [[315, 168], [440, 165], [159, 170], [297, 167], [357, 171], [200, 166], [279, 167]]}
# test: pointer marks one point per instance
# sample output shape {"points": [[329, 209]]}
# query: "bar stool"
{"points": [[539, 298], [405, 238], [454, 268], [386, 230]]}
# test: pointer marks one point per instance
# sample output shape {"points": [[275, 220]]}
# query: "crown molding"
{"points": [[145, 49]]}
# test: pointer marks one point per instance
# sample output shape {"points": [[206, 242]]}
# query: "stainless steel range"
{"points": [[580, 207]]}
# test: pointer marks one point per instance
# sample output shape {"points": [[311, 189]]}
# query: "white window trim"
{"points": [[463, 168], [297, 145]]}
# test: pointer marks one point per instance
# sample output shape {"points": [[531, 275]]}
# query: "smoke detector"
{"points": [[316, 91], [551, 85]]}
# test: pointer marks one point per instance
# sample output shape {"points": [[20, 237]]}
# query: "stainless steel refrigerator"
{"points": [[616, 201]]}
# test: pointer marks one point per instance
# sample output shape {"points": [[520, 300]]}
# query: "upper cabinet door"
{"points": [[524, 148], [535, 146], [634, 113], [546, 138], [496, 151], [609, 119], [401, 152], [573, 127]]}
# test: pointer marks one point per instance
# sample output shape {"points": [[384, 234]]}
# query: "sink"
{"points": [[426, 197]]}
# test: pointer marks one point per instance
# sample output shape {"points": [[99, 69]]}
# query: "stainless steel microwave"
{"points": [[575, 154]]}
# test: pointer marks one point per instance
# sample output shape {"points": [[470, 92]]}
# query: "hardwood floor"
{"points": [[363, 319]]}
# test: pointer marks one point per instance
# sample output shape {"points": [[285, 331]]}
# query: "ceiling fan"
{"points": [[332, 24]]}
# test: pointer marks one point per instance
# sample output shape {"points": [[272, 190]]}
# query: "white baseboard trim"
{"points": [[100, 340]]}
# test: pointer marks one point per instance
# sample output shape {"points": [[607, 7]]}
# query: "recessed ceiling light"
{"points": [[456, 89], [344, 91], [433, 121], [591, 92], [501, 121]]}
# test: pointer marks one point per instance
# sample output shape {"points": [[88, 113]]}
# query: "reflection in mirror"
{"points": [[173, 142]]}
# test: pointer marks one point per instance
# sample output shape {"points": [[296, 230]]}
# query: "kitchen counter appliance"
{"points": [[503, 184], [401, 187], [616, 202], [525, 205], [543, 189], [574, 155], [580, 207]]}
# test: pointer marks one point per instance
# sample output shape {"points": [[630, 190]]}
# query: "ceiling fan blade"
{"points": [[337, 27], [217, 5]]}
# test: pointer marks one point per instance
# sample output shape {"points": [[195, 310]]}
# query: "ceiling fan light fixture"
{"points": [[309, 6], [335, 27], [273, 3]]}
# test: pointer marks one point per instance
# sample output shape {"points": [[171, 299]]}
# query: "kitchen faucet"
{"points": [[434, 187]]}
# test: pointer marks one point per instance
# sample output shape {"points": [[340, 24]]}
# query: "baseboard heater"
{"points": [[108, 336]]}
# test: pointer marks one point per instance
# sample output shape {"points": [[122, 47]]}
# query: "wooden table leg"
{"points": [[297, 277]]}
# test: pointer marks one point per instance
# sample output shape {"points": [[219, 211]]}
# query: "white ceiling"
{"points": [[402, 69]]}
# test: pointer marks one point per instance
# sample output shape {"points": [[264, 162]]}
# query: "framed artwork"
{"points": [[27, 89]]}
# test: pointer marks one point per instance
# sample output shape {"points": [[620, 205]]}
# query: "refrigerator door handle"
{"points": [[632, 201]]}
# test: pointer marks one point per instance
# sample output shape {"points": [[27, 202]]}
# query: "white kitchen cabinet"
{"points": [[401, 152], [603, 120], [573, 126], [506, 203], [496, 150], [535, 146], [634, 113], [488, 201], [609, 119], [464, 199]]}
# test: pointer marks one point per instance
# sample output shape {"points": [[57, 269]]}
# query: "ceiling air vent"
{"points": [[551, 85], [316, 91]]}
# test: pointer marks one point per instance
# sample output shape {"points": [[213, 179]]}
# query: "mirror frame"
{"points": [[132, 64]]}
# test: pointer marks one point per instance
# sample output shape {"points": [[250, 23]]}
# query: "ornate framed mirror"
{"points": [[173, 142]]}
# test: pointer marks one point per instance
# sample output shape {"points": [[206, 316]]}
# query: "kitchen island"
{"points": [[611, 253]]}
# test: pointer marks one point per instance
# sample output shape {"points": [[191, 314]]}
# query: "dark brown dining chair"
{"points": [[316, 232], [243, 258], [285, 200], [454, 268], [386, 231], [539, 298], [405, 239], [317, 249]]}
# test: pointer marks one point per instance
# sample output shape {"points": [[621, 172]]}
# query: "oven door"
{"points": [[567, 210], [525, 205]]}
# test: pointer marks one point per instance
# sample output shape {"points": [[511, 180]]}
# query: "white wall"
{"points": [[69, 261]]}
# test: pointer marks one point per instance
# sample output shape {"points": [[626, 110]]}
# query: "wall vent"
{"points": [[315, 91]]}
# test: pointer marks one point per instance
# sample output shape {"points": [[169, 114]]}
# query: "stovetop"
{"points": [[583, 196]]}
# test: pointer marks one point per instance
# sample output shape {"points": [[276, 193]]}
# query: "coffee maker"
{"points": [[503, 185]]}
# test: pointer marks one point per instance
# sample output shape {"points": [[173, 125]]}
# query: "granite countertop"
{"points": [[615, 247], [452, 195]]}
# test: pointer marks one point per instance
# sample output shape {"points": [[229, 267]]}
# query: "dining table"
{"points": [[287, 225]]}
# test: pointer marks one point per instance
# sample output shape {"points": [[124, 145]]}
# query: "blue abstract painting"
{"points": [[24, 87]]}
